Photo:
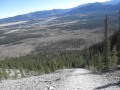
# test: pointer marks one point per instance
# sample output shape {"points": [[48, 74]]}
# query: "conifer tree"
{"points": [[118, 35], [15, 75], [119, 20], [118, 43], [1, 75], [106, 48], [114, 59], [5, 74], [22, 73], [100, 65], [119, 31]]}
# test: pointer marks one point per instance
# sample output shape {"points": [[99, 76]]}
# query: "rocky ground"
{"points": [[67, 79]]}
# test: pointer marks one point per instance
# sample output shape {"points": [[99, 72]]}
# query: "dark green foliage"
{"points": [[99, 62], [103, 56], [45, 62], [114, 59], [118, 40], [106, 51]]}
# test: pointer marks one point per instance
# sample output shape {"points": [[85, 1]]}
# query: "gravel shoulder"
{"points": [[67, 79]]}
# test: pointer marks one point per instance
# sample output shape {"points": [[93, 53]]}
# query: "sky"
{"points": [[10, 8]]}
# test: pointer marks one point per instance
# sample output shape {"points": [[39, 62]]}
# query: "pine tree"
{"points": [[106, 50], [15, 75], [118, 36], [1, 74], [5, 74], [22, 73], [114, 59], [119, 20], [100, 65], [95, 61]]}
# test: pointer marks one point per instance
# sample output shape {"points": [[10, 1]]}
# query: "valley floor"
{"points": [[67, 79]]}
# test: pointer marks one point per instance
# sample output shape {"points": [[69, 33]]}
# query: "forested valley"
{"points": [[100, 57]]}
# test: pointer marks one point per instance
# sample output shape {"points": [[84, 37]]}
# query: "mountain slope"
{"points": [[67, 79], [87, 8]]}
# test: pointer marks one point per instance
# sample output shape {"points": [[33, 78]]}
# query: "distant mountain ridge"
{"points": [[35, 15], [95, 7], [112, 2], [85, 8]]}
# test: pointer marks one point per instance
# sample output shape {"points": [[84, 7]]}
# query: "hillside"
{"points": [[45, 41], [67, 79], [62, 49], [51, 28]]}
